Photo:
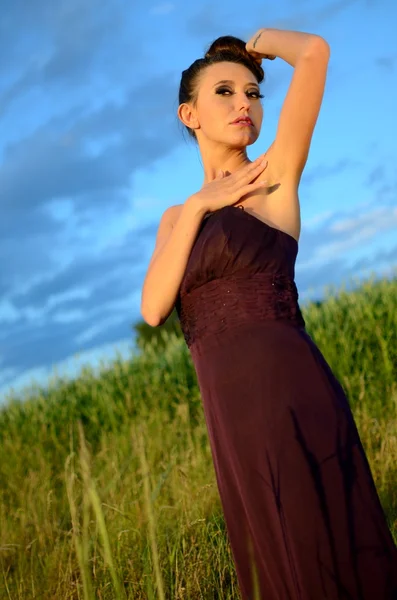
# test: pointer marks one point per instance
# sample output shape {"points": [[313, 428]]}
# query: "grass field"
{"points": [[107, 488]]}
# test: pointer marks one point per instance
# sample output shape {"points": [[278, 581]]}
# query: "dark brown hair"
{"points": [[224, 48]]}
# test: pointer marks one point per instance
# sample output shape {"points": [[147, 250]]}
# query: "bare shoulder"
{"points": [[170, 215], [166, 223], [173, 213]]}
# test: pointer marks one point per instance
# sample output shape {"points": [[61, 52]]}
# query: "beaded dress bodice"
{"points": [[240, 270]]}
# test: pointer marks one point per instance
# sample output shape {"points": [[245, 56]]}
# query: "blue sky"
{"points": [[92, 153]]}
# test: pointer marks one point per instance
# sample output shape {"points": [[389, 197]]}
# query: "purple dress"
{"points": [[302, 513]]}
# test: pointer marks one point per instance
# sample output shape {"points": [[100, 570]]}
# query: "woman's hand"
{"points": [[258, 57], [227, 190]]}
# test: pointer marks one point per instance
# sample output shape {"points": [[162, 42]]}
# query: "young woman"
{"points": [[301, 509]]}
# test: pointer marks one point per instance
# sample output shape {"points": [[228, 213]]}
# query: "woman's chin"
{"points": [[243, 140]]}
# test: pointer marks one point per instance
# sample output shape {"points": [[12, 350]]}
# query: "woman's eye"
{"points": [[254, 92], [222, 91]]}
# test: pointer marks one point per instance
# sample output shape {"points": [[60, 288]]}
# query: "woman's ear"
{"points": [[187, 115]]}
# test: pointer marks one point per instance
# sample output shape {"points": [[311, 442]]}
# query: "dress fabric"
{"points": [[302, 514]]}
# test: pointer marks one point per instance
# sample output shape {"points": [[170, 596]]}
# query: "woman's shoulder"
{"points": [[172, 213]]}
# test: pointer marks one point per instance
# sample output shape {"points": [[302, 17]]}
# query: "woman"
{"points": [[301, 509]]}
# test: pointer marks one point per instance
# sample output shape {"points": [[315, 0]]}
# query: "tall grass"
{"points": [[107, 487]]}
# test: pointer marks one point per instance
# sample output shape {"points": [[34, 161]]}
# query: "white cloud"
{"points": [[368, 224], [347, 234]]}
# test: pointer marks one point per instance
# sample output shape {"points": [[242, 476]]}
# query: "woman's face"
{"points": [[218, 104]]}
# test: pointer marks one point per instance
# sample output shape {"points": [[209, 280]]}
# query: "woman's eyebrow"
{"points": [[231, 81]]}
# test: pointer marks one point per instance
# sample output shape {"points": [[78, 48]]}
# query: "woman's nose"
{"points": [[243, 102]]}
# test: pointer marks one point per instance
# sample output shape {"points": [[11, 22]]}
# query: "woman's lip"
{"points": [[243, 123]]}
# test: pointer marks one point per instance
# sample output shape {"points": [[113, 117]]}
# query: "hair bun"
{"points": [[231, 48], [227, 43]]}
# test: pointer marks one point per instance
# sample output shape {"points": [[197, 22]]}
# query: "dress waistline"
{"points": [[224, 303]]}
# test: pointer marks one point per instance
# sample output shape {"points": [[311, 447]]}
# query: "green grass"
{"points": [[107, 488]]}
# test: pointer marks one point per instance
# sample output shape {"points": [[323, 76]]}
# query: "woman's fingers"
{"points": [[254, 170], [248, 172], [250, 187], [244, 184]]}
